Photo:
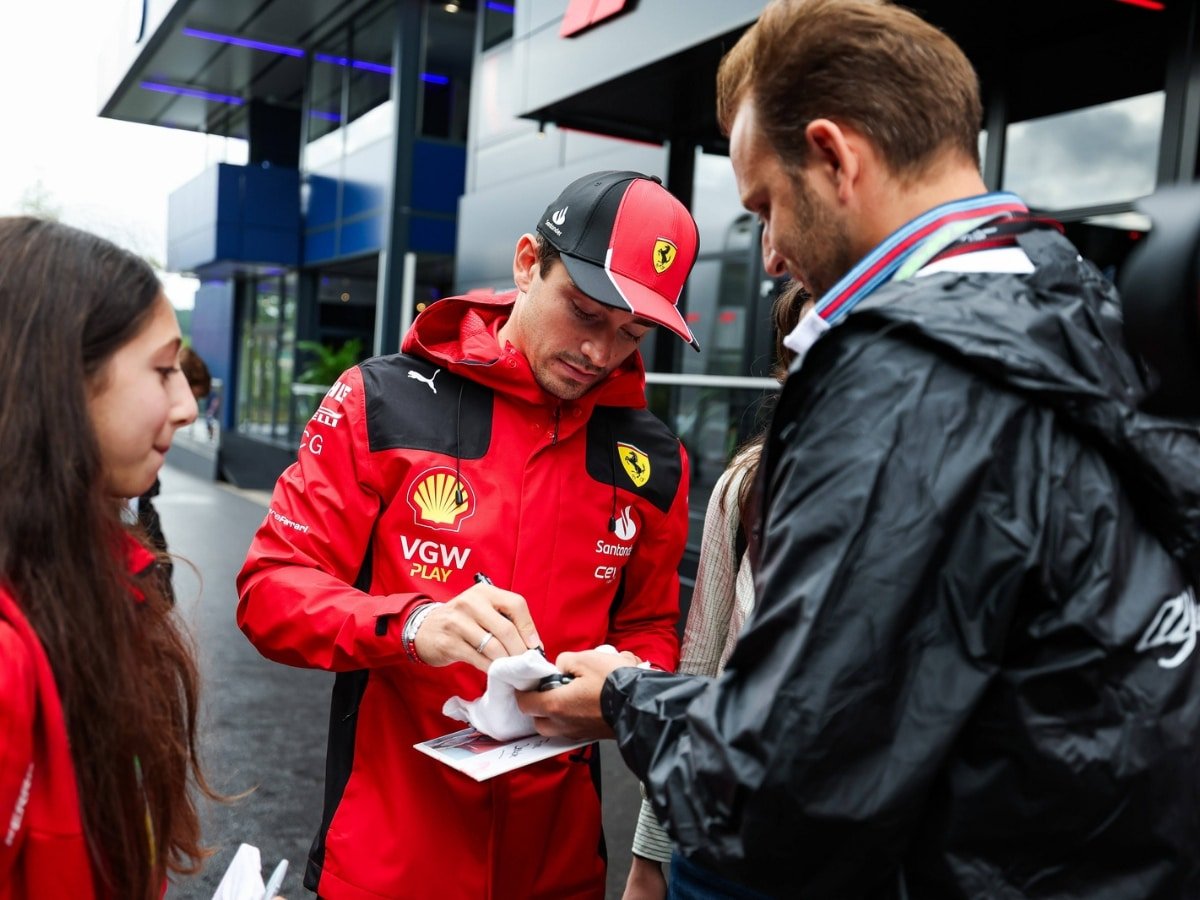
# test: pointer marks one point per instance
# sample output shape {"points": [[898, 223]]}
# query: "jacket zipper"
{"points": [[557, 416]]}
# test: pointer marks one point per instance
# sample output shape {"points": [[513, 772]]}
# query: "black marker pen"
{"points": [[558, 679]]}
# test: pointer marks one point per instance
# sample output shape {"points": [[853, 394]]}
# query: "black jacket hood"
{"points": [[1038, 339], [972, 667]]}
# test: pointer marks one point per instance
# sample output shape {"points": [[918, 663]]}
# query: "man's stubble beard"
{"points": [[560, 387], [821, 241]]}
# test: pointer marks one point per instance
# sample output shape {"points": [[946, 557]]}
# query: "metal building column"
{"points": [[406, 62], [308, 311], [681, 180], [996, 124], [1177, 154]]}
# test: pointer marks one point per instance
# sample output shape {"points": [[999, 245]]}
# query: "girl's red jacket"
{"points": [[43, 851], [579, 506]]}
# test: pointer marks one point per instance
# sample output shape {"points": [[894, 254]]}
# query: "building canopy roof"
{"points": [[1042, 58], [204, 62]]}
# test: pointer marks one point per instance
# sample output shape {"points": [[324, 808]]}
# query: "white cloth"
{"points": [[243, 879], [496, 713]]}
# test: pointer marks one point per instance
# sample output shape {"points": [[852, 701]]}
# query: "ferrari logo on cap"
{"points": [[635, 463], [664, 255]]}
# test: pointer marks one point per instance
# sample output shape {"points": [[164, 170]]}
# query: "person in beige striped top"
{"points": [[722, 599]]}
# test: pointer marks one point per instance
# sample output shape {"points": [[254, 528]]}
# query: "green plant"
{"points": [[327, 363]]}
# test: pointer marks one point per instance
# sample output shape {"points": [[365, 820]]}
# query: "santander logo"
{"points": [[626, 527]]}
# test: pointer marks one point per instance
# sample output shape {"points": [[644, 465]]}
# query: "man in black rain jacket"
{"points": [[972, 669]]}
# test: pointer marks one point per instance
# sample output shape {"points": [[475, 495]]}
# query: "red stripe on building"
{"points": [[583, 14]]}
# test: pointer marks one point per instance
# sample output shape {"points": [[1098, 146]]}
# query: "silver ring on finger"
{"points": [[487, 636]]}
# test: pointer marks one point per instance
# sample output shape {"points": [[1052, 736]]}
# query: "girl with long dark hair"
{"points": [[98, 683]]}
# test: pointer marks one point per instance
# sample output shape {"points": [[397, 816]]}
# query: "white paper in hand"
{"points": [[243, 879]]}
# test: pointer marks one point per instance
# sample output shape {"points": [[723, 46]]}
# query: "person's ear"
{"points": [[836, 155], [525, 262]]}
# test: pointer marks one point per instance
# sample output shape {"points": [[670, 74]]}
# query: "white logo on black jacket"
{"points": [[1176, 622], [412, 373]]}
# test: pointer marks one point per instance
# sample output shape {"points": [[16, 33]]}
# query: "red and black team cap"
{"points": [[627, 243]]}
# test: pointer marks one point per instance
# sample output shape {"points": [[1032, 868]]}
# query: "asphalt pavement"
{"points": [[263, 724]]}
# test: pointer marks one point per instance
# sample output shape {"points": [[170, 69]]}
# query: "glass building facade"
{"points": [[397, 149]]}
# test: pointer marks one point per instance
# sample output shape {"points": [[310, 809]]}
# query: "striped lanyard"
{"points": [[900, 256]]}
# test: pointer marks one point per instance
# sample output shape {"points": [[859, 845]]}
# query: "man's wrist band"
{"points": [[409, 634]]}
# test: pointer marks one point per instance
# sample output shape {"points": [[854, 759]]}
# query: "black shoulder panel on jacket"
{"points": [[627, 446], [414, 405]]}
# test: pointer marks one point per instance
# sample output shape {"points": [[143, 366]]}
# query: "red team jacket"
{"points": [[43, 851], [579, 506]]}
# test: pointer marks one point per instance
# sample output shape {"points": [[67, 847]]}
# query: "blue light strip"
{"points": [[435, 79], [363, 65], [500, 7], [243, 42], [190, 92], [378, 68], [327, 116]]}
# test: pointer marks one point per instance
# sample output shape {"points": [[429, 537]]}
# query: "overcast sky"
{"points": [[109, 177], [114, 177]]}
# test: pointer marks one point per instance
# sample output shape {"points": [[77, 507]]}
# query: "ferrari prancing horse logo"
{"points": [[635, 463], [664, 255]]}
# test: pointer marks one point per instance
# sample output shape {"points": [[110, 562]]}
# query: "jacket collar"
{"points": [[461, 334]]}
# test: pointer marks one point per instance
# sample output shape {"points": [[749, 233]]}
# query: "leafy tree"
{"points": [[327, 363]]}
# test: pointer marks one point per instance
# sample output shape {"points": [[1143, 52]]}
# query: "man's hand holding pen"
{"points": [[573, 709], [482, 623]]}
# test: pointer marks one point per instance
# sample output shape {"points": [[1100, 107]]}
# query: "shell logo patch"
{"points": [[440, 499], [635, 462], [664, 255]]}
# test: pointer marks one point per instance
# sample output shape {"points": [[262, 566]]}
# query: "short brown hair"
{"points": [[548, 255], [878, 67]]}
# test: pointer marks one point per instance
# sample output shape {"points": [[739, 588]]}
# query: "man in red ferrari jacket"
{"points": [[509, 438]]}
